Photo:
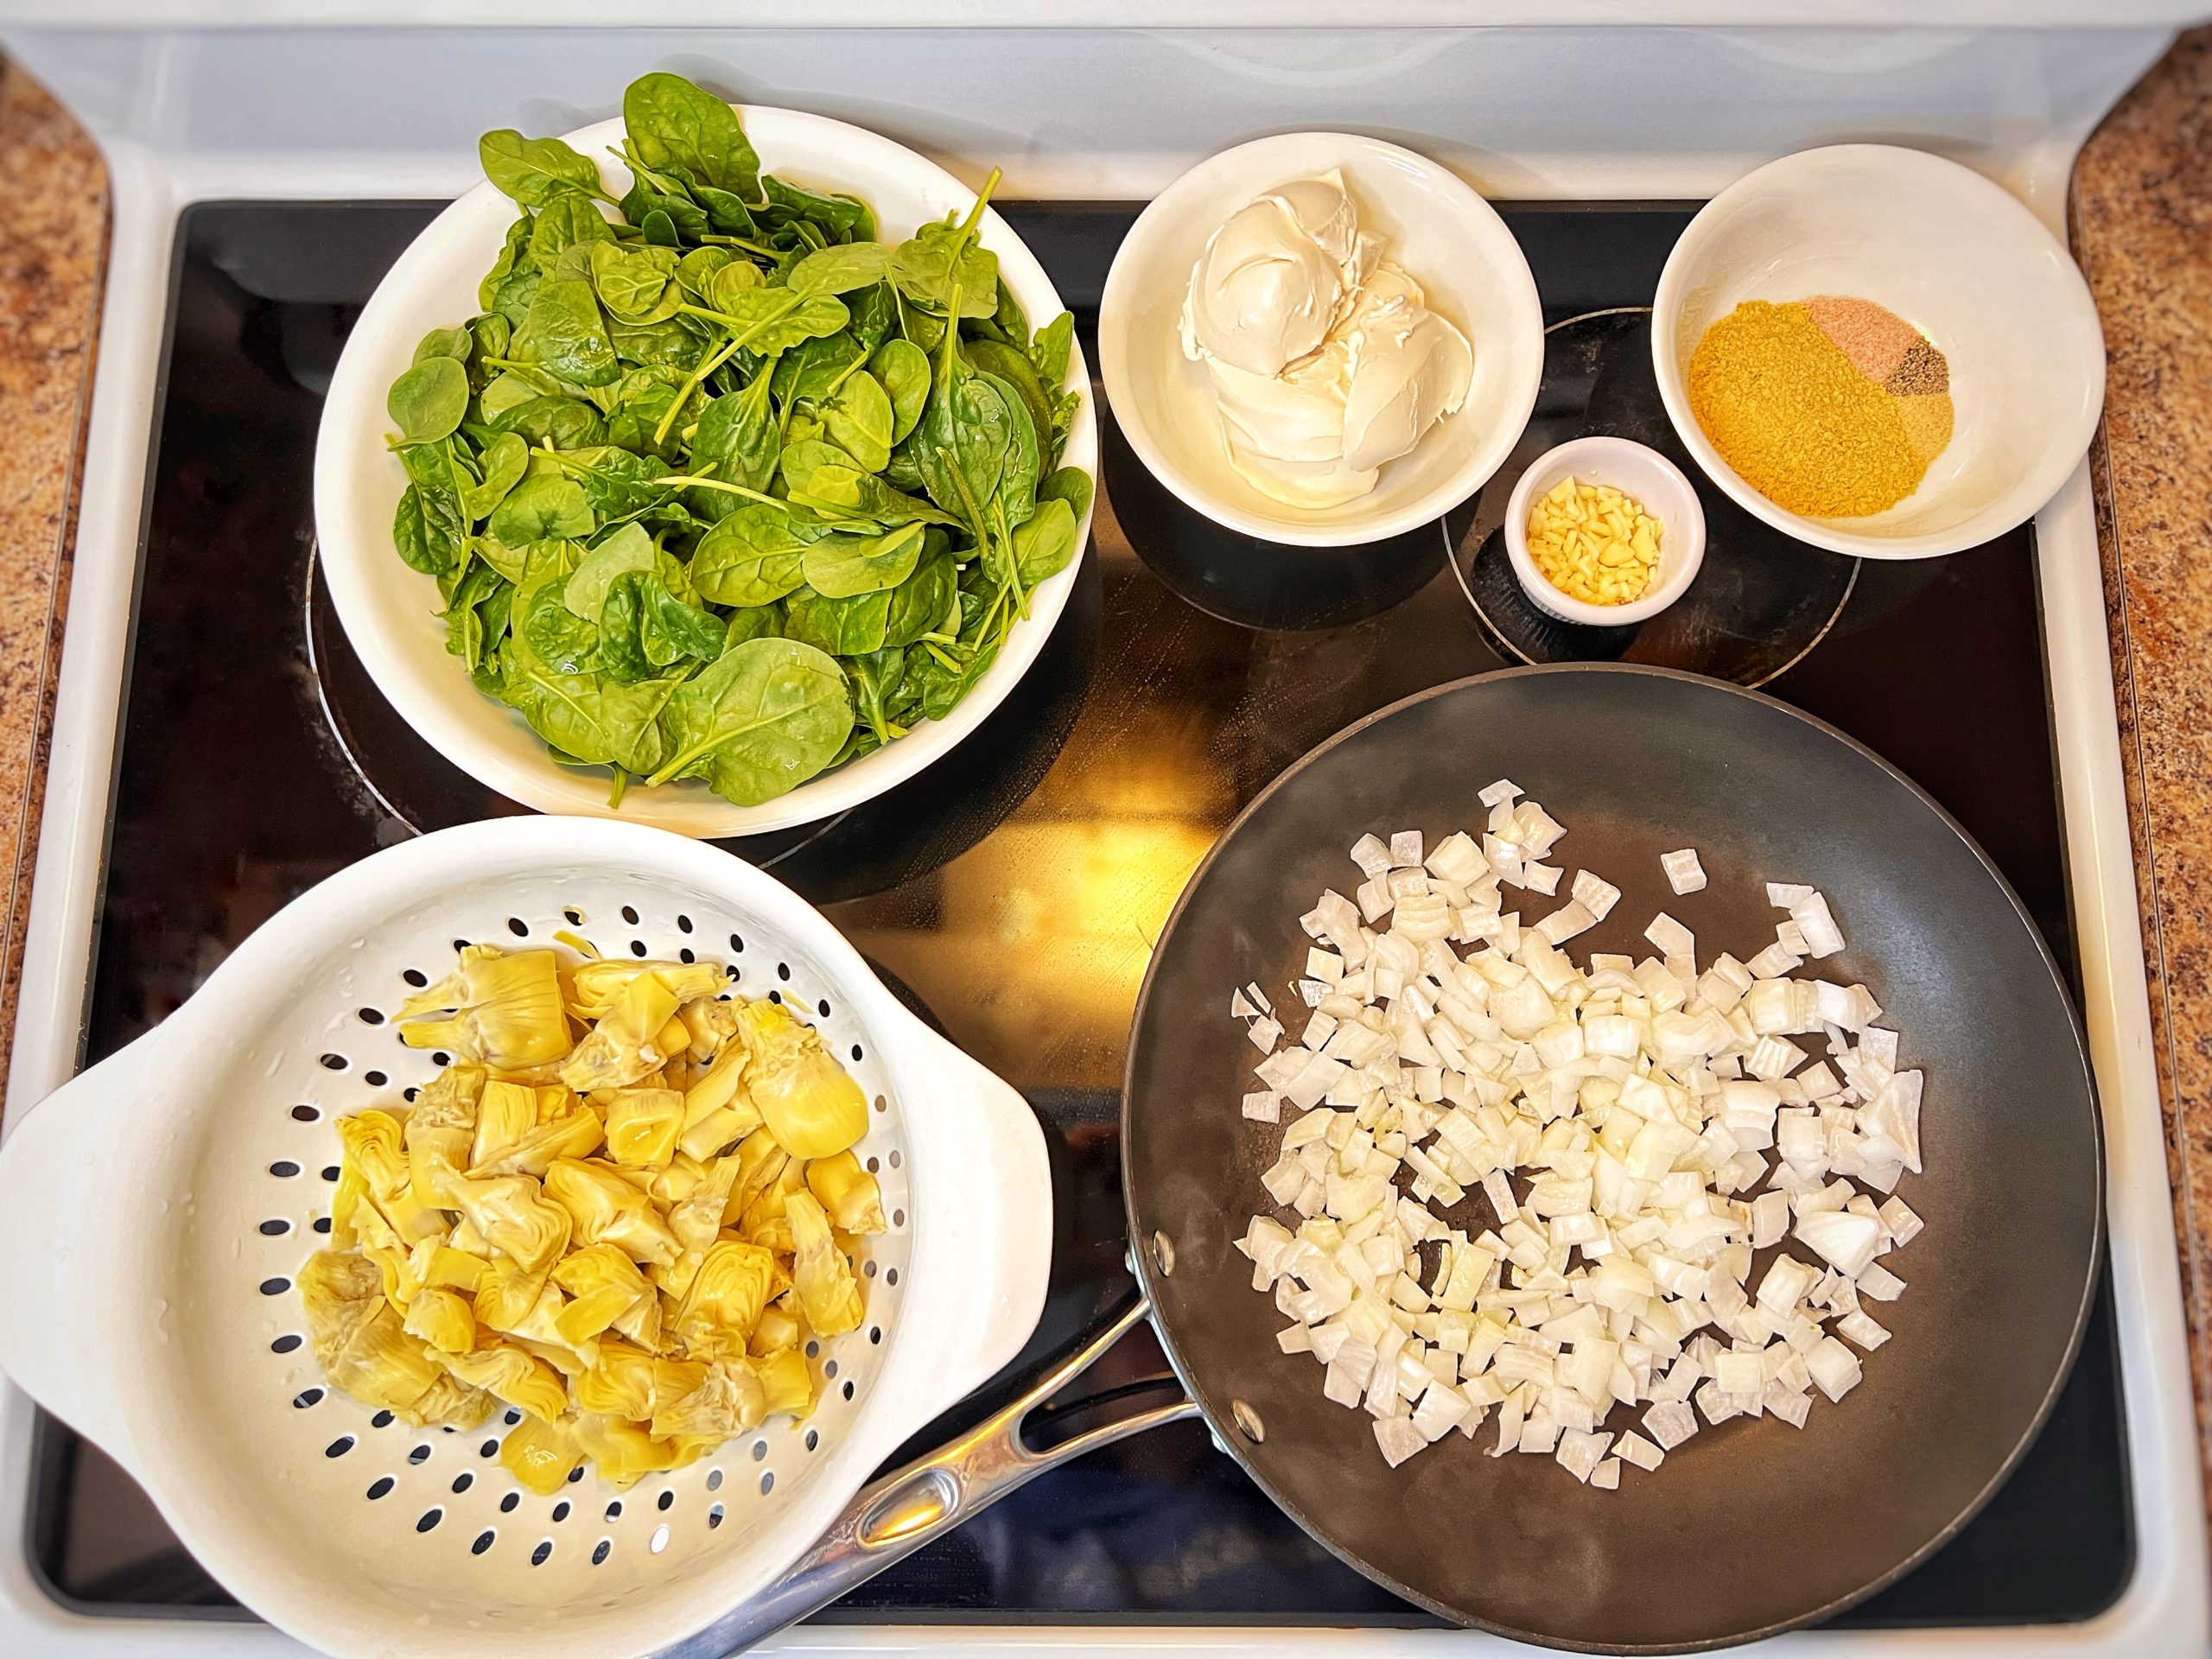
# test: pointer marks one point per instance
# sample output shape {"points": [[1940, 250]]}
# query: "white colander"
{"points": [[152, 1212]]}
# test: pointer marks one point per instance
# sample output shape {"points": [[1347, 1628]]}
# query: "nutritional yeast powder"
{"points": [[1831, 407]]}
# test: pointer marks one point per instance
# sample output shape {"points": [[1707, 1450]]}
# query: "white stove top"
{"points": [[362, 106]]}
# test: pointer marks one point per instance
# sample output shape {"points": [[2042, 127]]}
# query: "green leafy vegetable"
{"points": [[716, 485]]}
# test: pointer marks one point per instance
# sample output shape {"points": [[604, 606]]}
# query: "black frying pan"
{"points": [[1749, 1529], [1753, 1527]]}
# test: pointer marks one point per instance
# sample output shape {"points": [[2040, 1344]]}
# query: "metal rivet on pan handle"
{"points": [[1163, 1253], [1248, 1420]]}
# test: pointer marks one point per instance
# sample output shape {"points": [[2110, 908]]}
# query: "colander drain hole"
{"points": [[428, 1519], [602, 1550], [285, 1344], [482, 1541], [543, 1554], [380, 1487]]}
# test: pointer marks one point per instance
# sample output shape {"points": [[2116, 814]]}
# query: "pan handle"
{"points": [[897, 1514]]}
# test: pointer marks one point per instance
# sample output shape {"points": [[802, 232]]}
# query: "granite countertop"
{"points": [[2141, 214]]}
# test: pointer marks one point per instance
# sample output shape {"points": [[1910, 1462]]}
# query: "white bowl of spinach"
{"points": [[649, 483]]}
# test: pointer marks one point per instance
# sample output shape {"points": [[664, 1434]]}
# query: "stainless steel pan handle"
{"points": [[893, 1516]]}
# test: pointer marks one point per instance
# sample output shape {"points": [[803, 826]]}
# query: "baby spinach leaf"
{"points": [[515, 250], [1013, 370], [597, 720], [1044, 544], [1008, 325], [903, 371], [487, 338], [762, 718], [839, 567], [542, 507], [843, 627], [750, 557], [566, 223], [921, 602], [534, 171], [512, 562], [672, 122], [874, 312], [929, 265], [875, 681], [504, 460], [621, 654], [823, 478], [772, 320], [1017, 492], [565, 333], [617, 483], [674, 343], [564, 423], [427, 541], [556, 636], [816, 367], [640, 286], [961, 444], [753, 622], [1048, 352], [726, 212], [427, 403], [668, 221], [512, 297], [737, 435], [729, 281], [859, 419], [841, 269], [455, 343], [628, 549], [1072, 485], [845, 218], [696, 271], [670, 630]]}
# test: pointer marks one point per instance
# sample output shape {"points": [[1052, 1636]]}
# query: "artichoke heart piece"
{"points": [[452, 1269], [642, 1125], [697, 1218], [507, 1296], [712, 1023], [810, 1104], [623, 1453], [787, 1384], [540, 1454], [516, 1218], [728, 1402], [444, 1320], [724, 1299], [373, 1144], [619, 1382], [600, 985], [608, 1209], [576, 1136], [779, 1329], [848, 1192], [341, 1292], [718, 1109], [449, 1403], [505, 1009], [604, 1284], [828, 1293], [382, 1365], [521, 1379], [508, 1112]]}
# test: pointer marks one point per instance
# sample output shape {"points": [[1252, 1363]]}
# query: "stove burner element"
{"points": [[1762, 600]]}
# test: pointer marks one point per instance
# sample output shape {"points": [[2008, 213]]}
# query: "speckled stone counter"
{"points": [[2142, 225], [53, 252]]}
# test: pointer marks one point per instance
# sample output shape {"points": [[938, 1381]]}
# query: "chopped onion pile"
{"points": [[1618, 1119]]}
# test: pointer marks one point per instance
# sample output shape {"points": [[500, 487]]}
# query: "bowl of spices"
{"points": [[1877, 350], [1604, 532]]}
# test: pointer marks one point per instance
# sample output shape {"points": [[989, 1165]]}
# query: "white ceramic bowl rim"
{"points": [[1901, 167], [387, 609], [1494, 244]]}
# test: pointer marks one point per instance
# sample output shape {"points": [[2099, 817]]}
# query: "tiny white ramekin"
{"points": [[1636, 470]]}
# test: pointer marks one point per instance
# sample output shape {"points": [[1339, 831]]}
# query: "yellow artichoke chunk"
{"points": [[625, 1209]]}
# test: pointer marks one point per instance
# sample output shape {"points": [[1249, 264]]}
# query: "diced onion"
{"points": [[1620, 1121]]}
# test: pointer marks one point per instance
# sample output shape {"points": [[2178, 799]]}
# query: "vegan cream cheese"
{"points": [[1325, 359]]}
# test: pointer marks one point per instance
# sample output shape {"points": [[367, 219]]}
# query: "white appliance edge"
{"points": [[167, 109]]}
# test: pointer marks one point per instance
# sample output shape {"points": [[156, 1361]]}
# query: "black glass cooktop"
{"points": [[1014, 891]]}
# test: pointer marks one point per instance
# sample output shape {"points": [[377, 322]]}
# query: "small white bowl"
{"points": [[389, 611], [1446, 236], [1957, 257], [1635, 470]]}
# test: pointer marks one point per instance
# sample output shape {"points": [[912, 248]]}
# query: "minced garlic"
{"points": [[1594, 543]]}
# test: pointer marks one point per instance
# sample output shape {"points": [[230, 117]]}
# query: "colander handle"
{"points": [[897, 1514], [999, 1235], [68, 1302]]}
